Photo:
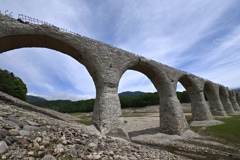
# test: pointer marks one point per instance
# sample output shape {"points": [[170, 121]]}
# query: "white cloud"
{"points": [[63, 96]]}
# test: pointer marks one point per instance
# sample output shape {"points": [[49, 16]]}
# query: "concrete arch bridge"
{"points": [[107, 64]]}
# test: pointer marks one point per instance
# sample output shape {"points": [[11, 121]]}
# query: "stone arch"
{"points": [[172, 120], [233, 100], [212, 93], [194, 86], [224, 96], [17, 41]]}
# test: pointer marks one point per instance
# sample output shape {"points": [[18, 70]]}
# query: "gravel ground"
{"points": [[30, 135], [145, 130]]}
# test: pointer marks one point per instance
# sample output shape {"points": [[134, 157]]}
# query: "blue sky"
{"points": [[200, 37]]}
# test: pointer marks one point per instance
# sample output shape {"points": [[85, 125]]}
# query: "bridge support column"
{"points": [[224, 96], [216, 106], [200, 109], [172, 119], [195, 86], [232, 97], [107, 115], [238, 97]]}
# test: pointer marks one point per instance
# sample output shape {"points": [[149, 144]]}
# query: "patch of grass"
{"points": [[188, 117], [84, 118], [229, 130], [86, 122], [196, 128]]}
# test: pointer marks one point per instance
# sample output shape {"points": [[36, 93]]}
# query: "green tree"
{"points": [[12, 85]]}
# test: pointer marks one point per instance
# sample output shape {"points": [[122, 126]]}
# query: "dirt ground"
{"points": [[148, 122], [143, 124]]}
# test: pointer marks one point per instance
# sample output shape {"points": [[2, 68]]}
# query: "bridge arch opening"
{"points": [[139, 102], [76, 84]]}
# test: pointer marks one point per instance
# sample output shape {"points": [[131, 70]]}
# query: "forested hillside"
{"points": [[12, 85], [130, 94], [127, 101]]}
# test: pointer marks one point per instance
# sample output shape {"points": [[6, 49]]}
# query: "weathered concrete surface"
{"points": [[233, 99], [106, 65], [224, 96], [238, 97], [212, 92], [195, 88]]}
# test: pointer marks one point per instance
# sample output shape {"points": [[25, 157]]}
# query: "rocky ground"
{"points": [[145, 130], [30, 135]]}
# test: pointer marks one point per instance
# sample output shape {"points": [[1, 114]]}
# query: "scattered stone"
{"points": [[12, 139], [41, 148], [10, 123], [13, 132], [3, 147], [92, 145], [17, 121], [96, 156], [50, 139], [48, 157], [4, 157], [30, 153], [24, 133], [28, 158], [32, 123], [59, 149], [31, 128]]}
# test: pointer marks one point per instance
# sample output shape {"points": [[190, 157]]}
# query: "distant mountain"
{"points": [[130, 94], [127, 99]]}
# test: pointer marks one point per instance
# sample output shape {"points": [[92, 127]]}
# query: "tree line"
{"points": [[12, 85], [67, 106]]}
